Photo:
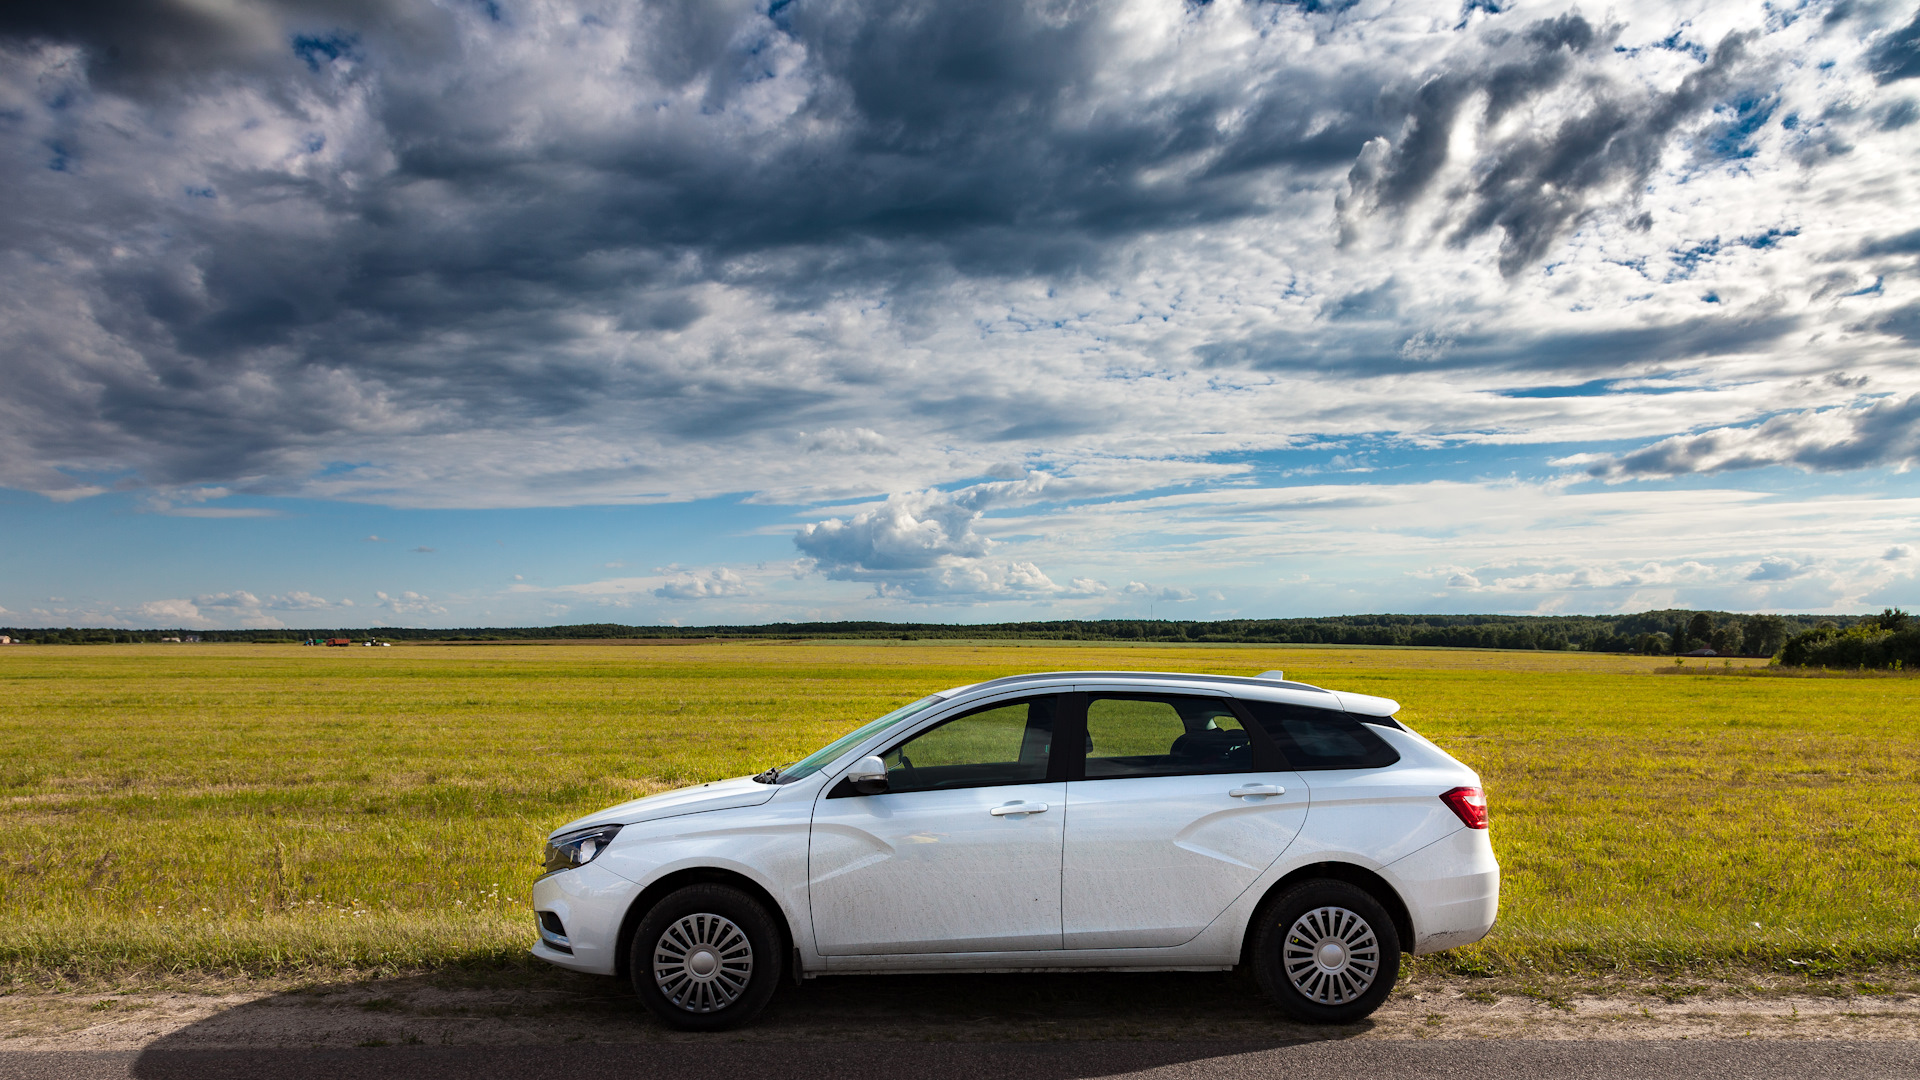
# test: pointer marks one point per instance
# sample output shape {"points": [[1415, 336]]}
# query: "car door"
{"points": [[961, 853], [1173, 809]]}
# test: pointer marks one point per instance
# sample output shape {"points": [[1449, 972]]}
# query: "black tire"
{"points": [[1342, 964], [720, 958]]}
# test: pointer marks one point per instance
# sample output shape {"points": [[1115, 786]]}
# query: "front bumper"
{"points": [[589, 902]]}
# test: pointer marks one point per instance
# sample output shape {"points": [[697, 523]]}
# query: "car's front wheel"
{"points": [[1326, 952], [707, 957]]}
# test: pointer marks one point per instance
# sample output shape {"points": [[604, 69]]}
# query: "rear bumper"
{"points": [[1452, 890], [590, 903]]}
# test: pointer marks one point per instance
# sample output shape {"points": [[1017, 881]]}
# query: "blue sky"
{"points": [[383, 313]]}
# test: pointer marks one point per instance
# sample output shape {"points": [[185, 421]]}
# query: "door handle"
{"points": [[1256, 789], [1019, 808]]}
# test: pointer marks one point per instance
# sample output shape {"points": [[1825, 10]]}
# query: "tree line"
{"points": [[1890, 639], [1813, 640]]}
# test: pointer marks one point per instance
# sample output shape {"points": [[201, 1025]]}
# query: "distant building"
{"points": [[172, 639], [343, 641], [5, 640]]}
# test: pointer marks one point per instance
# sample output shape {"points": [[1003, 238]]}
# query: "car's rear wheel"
{"points": [[707, 957], [1326, 952]]}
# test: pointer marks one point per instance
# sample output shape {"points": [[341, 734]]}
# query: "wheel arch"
{"points": [[696, 875], [1357, 876]]}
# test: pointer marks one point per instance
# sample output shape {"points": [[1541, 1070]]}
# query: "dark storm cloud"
{"points": [[242, 235], [1906, 243], [1532, 186], [151, 46], [1896, 56], [1389, 348], [941, 122], [128, 40], [1902, 322], [439, 237]]}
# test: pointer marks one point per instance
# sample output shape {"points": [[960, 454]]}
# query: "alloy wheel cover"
{"points": [[1331, 956], [703, 963]]}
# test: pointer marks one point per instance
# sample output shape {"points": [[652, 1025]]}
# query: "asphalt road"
{"points": [[720, 1060]]}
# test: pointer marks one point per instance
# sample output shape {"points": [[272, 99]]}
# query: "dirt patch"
{"points": [[546, 1011]]}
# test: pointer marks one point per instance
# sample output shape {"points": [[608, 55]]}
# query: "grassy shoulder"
{"points": [[271, 810]]}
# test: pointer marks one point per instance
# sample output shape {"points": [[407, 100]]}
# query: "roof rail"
{"points": [[1266, 679]]}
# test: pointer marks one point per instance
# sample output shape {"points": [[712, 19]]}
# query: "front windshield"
{"points": [[820, 758]]}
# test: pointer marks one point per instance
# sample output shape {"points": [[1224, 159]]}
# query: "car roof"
{"points": [[1366, 704]]}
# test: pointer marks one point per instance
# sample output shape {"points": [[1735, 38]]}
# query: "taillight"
{"points": [[1470, 803]]}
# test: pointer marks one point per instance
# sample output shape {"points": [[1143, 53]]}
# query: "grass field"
{"points": [[257, 809]]}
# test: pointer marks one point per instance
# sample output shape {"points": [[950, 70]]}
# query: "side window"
{"points": [[1163, 735], [1321, 738], [1000, 744]]}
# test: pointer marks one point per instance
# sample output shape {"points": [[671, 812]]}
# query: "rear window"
{"points": [[1170, 735], [1321, 738]]}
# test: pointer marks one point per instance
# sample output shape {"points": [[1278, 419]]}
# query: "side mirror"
{"points": [[868, 775]]}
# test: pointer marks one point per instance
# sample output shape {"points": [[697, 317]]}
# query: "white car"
{"points": [[1087, 820]]}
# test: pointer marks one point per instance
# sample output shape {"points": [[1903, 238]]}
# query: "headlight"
{"points": [[578, 848]]}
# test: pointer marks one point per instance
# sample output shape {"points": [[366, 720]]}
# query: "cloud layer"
{"points": [[924, 271], [1883, 433]]}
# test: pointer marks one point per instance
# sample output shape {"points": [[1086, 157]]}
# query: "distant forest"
{"points": [[1652, 633]]}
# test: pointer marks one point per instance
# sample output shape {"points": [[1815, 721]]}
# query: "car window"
{"points": [[825, 756], [1321, 738], [1163, 735], [998, 744]]}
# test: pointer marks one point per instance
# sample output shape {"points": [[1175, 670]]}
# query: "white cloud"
{"points": [[304, 601], [235, 609], [410, 603], [907, 533], [169, 501], [1603, 577], [179, 612], [211, 611], [1774, 568], [846, 441], [716, 583], [923, 545], [969, 582], [1882, 433], [1164, 593]]}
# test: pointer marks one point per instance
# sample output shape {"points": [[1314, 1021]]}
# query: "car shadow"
{"points": [[533, 1024]]}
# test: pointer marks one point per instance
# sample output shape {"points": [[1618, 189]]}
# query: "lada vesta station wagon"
{"points": [[1086, 820]]}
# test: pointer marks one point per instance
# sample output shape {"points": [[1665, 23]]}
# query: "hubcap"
{"points": [[703, 963], [1331, 956]]}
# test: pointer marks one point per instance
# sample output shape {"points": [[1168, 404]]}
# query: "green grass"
{"points": [[259, 809]]}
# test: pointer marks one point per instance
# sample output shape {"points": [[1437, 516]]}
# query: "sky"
{"points": [[500, 312]]}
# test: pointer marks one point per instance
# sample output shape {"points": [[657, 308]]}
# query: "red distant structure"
{"points": [[339, 641]]}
